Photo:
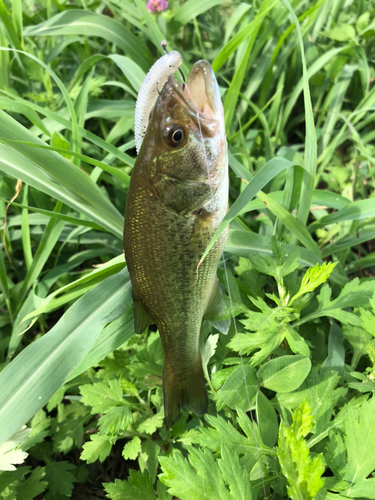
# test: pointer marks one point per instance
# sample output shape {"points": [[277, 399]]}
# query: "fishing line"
{"points": [[164, 47], [230, 299]]}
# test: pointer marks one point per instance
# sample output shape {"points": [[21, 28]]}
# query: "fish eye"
{"points": [[175, 136]]}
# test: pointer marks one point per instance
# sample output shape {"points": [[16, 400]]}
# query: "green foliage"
{"points": [[132, 448], [201, 477], [272, 325], [16, 486], [359, 428], [291, 387], [60, 478], [302, 471], [314, 277], [138, 486], [33, 485], [102, 396], [97, 449], [10, 454], [284, 374]]}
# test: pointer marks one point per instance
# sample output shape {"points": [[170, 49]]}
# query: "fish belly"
{"points": [[162, 250]]}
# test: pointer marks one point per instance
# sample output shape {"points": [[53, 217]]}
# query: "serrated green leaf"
{"points": [[97, 449], [360, 443], [162, 490], [129, 388], [364, 489], [12, 478], [56, 399], [314, 277], [366, 384], [40, 428], [268, 334], [60, 479], [102, 396], [39, 422], [196, 479], [278, 266], [303, 472], [354, 294], [137, 487], [68, 433], [234, 475], [335, 452], [132, 448], [115, 419], [266, 342], [33, 485], [267, 319], [368, 317], [321, 395], [11, 458], [9, 452], [248, 446], [148, 458], [151, 424]]}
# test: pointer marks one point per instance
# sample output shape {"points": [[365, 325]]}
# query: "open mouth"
{"points": [[200, 94], [202, 90]]}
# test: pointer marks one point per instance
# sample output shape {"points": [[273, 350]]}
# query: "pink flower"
{"points": [[157, 5]]}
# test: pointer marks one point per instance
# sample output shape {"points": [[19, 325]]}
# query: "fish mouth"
{"points": [[200, 94], [202, 90]]}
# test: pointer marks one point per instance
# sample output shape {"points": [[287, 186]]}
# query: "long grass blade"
{"points": [[82, 22], [39, 370], [54, 175], [233, 91], [265, 174], [310, 138]]}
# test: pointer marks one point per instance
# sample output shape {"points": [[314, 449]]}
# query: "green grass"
{"points": [[297, 86]]}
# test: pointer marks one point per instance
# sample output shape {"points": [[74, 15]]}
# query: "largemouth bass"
{"points": [[178, 194]]}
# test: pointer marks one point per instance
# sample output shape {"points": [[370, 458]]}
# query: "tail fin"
{"points": [[188, 389]]}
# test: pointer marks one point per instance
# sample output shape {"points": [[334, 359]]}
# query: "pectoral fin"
{"points": [[218, 313], [141, 319]]}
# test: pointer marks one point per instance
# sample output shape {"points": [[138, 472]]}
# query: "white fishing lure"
{"points": [[151, 86]]}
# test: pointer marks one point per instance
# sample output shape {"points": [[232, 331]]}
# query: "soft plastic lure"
{"points": [[151, 86]]}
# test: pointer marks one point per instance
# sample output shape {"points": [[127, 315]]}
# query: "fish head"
{"points": [[185, 138]]}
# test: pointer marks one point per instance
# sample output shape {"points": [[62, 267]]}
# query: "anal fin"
{"points": [[141, 318], [218, 312]]}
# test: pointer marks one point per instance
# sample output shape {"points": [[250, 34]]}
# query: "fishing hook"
{"points": [[164, 47]]}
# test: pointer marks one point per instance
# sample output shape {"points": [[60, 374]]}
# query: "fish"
{"points": [[177, 196]]}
